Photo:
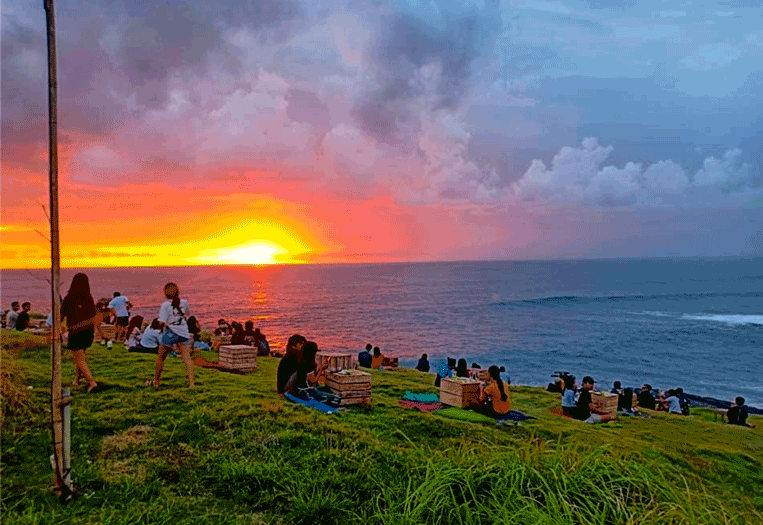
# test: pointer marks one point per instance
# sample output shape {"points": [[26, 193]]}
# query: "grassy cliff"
{"points": [[232, 451]]}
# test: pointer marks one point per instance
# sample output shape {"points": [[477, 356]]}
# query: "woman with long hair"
{"points": [[461, 369], [78, 308], [134, 331], [495, 396], [287, 367], [172, 315]]}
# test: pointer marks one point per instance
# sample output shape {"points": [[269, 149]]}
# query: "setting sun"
{"points": [[256, 252]]}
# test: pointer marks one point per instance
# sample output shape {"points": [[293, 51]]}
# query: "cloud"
{"points": [[579, 176]]}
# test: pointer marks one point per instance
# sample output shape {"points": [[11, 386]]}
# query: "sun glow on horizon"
{"points": [[257, 252]]}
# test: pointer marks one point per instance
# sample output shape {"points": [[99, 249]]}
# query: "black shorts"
{"points": [[80, 340], [123, 321]]}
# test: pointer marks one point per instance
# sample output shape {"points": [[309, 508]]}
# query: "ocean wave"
{"points": [[756, 320], [571, 300]]}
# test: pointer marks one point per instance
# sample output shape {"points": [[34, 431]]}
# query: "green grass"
{"points": [[233, 452]]}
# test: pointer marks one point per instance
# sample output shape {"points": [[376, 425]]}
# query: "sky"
{"points": [[371, 131]]}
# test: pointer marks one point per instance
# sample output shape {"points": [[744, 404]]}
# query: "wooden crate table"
{"points": [[108, 331], [391, 362], [604, 402], [238, 357], [460, 392], [480, 374], [216, 341], [336, 361], [353, 386]]}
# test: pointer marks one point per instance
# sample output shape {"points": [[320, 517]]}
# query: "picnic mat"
{"points": [[475, 417], [424, 406], [315, 398], [425, 398], [463, 415]]}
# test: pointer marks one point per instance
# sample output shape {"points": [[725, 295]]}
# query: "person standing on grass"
{"points": [[120, 305], [78, 309], [172, 316], [13, 315]]}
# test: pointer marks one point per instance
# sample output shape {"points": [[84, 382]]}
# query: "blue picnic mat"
{"points": [[315, 398], [514, 415], [424, 398]]}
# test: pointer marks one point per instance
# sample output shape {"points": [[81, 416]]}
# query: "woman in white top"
{"points": [[172, 315], [134, 333]]}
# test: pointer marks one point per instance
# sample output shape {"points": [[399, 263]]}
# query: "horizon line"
{"points": [[434, 261]]}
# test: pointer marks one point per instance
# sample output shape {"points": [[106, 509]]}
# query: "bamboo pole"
{"points": [[61, 487]]}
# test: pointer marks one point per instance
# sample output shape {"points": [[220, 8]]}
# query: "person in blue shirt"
{"points": [[364, 357], [445, 370]]}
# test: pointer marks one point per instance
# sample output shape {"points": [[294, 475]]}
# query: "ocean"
{"points": [[695, 324]]}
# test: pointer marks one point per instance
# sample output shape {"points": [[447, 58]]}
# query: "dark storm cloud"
{"points": [[164, 38], [23, 90], [405, 45]]}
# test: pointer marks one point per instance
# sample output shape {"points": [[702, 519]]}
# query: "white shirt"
{"points": [[119, 305], [150, 338], [174, 319], [675, 405], [134, 339], [10, 320]]}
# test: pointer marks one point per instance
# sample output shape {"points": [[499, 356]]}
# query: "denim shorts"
{"points": [[170, 338]]}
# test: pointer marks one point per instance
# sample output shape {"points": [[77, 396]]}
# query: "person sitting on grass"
{"points": [[584, 410], [13, 315], [288, 364], [150, 340], [238, 337], [673, 402], [134, 333], [423, 364], [303, 371], [377, 361], [194, 328], [445, 370], [737, 414], [24, 321], [645, 398], [461, 368], [250, 338], [364, 357], [223, 328], [261, 342], [495, 396], [568, 395]]}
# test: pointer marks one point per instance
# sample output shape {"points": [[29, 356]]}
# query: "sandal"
{"points": [[150, 383]]}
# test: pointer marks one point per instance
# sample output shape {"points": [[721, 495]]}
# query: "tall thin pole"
{"points": [[61, 487]]}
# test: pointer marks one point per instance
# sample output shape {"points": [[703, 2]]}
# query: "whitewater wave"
{"points": [[727, 318]]}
